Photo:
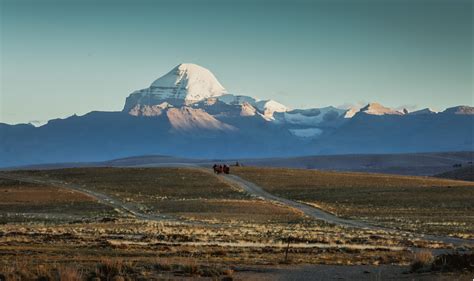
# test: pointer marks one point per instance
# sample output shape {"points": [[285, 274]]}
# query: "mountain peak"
{"points": [[268, 107], [378, 109], [186, 83], [189, 82], [460, 110]]}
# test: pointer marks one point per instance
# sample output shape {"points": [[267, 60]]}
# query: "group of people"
{"points": [[219, 169]]}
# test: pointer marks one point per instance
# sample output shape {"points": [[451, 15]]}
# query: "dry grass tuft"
{"points": [[109, 269], [23, 270], [70, 273], [421, 261]]}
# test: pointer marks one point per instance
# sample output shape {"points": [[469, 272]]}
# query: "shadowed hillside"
{"points": [[465, 174]]}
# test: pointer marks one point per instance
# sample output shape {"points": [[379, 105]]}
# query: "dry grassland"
{"points": [[26, 202], [58, 233], [427, 205]]}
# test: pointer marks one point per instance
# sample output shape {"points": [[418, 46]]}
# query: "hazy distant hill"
{"points": [[419, 164], [465, 174]]}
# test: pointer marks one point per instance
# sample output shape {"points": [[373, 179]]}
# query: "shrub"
{"points": [[110, 268], [454, 262], [421, 260]]}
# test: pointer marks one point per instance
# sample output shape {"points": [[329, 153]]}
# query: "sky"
{"points": [[60, 58]]}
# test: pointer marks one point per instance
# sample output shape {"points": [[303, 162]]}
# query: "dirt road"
{"points": [[250, 188], [320, 214], [310, 211]]}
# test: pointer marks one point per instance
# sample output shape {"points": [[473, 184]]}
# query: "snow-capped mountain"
{"points": [[378, 109], [189, 86], [188, 113], [195, 86], [185, 84]]}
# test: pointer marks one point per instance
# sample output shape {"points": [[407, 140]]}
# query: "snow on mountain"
{"points": [[312, 116], [190, 82], [350, 112], [183, 85], [192, 98], [460, 110], [38, 123], [193, 85], [378, 109], [268, 107], [311, 123]]}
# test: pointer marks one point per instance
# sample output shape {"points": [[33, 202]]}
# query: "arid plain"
{"points": [[186, 222]]}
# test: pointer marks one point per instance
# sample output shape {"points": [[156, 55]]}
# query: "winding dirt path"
{"points": [[308, 210], [320, 214], [248, 187]]}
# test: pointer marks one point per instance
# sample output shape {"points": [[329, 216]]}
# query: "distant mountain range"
{"points": [[188, 113]]}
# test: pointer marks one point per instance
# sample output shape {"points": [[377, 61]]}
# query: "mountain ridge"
{"points": [[188, 113]]}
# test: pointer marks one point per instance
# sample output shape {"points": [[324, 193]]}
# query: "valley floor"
{"points": [[178, 223]]}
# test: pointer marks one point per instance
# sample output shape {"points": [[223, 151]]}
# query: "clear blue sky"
{"points": [[64, 57]]}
